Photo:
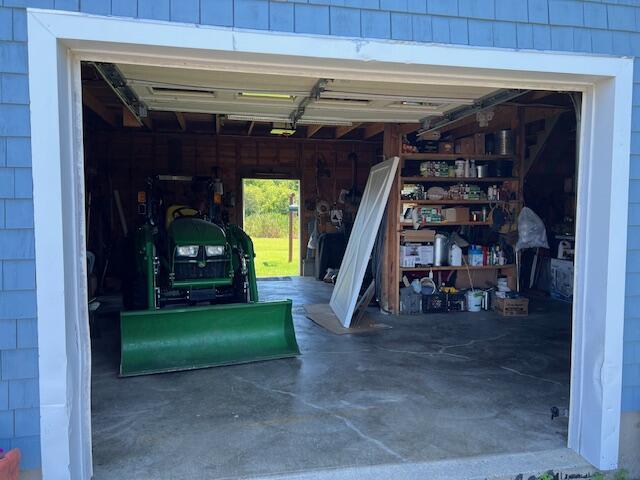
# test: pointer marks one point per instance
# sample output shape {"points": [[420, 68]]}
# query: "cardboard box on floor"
{"points": [[512, 307]]}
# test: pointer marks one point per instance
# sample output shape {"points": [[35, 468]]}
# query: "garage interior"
{"points": [[434, 381]]}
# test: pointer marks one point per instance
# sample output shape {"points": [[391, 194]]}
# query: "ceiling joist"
{"points": [[312, 130], [181, 121], [373, 130], [342, 131], [91, 102]]}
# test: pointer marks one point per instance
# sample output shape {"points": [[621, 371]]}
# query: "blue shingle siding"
{"points": [[187, 11], [375, 24], [154, 9], [311, 19], [401, 26], [97, 7], [281, 17], [477, 8], [23, 393], [344, 21], [19, 412], [216, 12], [252, 14], [607, 27]]}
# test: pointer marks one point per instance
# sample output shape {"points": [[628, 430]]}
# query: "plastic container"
{"points": [[410, 301], [475, 256], [474, 300], [436, 303], [455, 255]]}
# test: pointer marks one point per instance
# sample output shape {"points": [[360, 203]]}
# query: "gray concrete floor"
{"points": [[430, 388]]}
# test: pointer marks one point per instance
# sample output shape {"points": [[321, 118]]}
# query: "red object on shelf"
{"points": [[10, 465]]}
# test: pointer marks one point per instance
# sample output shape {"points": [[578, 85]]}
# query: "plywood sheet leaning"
{"points": [[363, 236]]}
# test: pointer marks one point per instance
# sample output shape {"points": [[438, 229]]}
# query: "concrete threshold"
{"points": [[518, 466]]}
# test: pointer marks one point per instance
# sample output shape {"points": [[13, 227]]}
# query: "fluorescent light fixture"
{"points": [[273, 96], [275, 119], [184, 92], [328, 122], [394, 98], [245, 117], [282, 131]]}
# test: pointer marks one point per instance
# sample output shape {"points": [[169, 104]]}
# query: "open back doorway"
{"points": [[270, 218]]}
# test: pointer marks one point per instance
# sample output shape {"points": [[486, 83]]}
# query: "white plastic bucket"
{"points": [[474, 300]]}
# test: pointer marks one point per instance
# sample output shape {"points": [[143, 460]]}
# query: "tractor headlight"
{"points": [[190, 251], [215, 250]]}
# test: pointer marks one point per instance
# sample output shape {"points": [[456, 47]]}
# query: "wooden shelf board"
{"points": [[464, 267], [457, 179], [447, 224], [454, 156], [458, 202]]}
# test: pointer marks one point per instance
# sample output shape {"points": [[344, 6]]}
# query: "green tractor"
{"points": [[193, 299]]}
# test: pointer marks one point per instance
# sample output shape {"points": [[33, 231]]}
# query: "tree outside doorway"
{"points": [[270, 209]]}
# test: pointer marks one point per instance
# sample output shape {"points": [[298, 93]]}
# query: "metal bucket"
{"points": [[441, 253]]}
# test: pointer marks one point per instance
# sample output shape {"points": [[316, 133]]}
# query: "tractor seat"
{"points": [[176, 211]]}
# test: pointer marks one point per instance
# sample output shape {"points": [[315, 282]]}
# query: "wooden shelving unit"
{"points": [[395, 227]]}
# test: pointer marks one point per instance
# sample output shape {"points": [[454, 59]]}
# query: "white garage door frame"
{"points": [[58, 41]]}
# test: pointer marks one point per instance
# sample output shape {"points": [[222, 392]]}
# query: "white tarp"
{"points": [[363, 236]]}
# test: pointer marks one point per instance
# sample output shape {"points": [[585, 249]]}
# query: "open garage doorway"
{"points": [[306, 378], [270, 217]]}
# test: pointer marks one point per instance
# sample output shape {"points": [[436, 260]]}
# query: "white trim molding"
{"points": [[58, 41]]}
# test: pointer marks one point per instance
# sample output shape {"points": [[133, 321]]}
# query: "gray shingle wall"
{"points": [[610, 27]]}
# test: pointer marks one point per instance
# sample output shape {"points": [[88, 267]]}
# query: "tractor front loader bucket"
{"points": [[172, 339]]}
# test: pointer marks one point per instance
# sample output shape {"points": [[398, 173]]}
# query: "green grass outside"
{"points": [[272, 257]]}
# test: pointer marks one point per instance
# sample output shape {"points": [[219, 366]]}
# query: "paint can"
{"points": [[474, 300]]}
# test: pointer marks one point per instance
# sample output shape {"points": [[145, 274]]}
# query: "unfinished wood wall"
{"points": [[122, 160]]}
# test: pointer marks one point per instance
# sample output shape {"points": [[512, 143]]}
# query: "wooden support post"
{"points": [[291, 197], [390, 293]]}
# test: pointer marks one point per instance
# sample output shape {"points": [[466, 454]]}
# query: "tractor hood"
{"points": [[195, 231]]}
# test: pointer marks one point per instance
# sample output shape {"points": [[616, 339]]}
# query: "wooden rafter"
{"points": [[148, 122], [407, 128], [99, 108], [129, 119], [312, 130], [181, 121], [342, 131], [372, 130]]}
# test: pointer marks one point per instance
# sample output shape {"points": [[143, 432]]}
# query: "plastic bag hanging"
{"points": [[531, 231]]}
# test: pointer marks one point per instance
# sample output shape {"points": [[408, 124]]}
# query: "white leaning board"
{"points": [[363, 236]]}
